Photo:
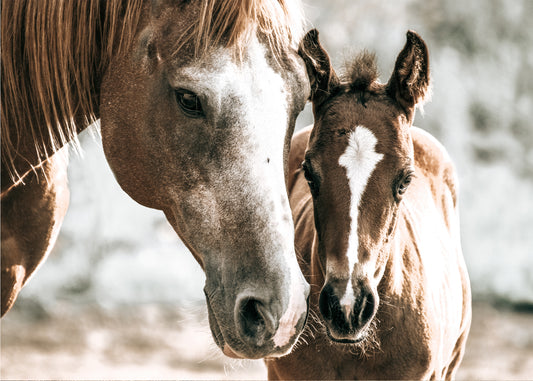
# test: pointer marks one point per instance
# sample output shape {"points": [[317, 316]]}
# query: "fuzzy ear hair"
{"points": [[321, 75], [409, 83]]}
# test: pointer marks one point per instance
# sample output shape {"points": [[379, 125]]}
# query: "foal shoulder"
{"points": [[433, 160]]}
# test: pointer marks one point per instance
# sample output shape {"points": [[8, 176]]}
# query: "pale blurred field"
{"points": [[157, 342]]}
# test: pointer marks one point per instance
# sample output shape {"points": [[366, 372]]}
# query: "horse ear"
{"points": [[321, 75], [409, 83]]}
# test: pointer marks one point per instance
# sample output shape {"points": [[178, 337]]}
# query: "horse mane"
{"points": [[54, 52]]}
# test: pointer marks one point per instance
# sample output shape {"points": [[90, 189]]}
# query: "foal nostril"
{"points": [[325, 303], [255, 321], [347, 319], [331, 310], [365, 310]]}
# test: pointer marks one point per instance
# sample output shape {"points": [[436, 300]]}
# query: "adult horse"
{"points": [[377, 228], [197, 101]]}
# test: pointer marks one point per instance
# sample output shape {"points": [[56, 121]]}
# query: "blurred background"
{"points": [[121, 297]]}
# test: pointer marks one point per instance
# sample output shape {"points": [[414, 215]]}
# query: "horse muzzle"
{"points": [[257, 329]]}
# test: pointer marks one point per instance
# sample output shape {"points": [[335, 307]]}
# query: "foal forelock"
{"points": [[359, 159]]}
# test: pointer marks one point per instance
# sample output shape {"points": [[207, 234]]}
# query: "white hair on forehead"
{"points": [[359, 159]]}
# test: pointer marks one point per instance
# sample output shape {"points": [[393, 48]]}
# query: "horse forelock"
{"points": [[52, 54], [231, 23]]}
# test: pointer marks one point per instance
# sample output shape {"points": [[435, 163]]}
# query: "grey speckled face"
{"points": [[216, 132]]}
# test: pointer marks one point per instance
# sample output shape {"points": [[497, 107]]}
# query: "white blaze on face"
{"points": [[359, 160], [249, 100]]}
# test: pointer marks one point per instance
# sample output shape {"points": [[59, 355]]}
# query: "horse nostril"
{"points": [[255, 321]]}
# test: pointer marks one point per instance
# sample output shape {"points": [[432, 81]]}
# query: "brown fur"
{"points": [[53, 56], [422, 320]]}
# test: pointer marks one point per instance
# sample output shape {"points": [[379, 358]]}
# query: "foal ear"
{"points": [[321, 75], [409, 83]]}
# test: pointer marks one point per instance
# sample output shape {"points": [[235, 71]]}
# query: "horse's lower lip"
{"points": [[215, 328], [355, 340]]}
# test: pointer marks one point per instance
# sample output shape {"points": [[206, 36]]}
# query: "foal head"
{"points": [[359, 164]]}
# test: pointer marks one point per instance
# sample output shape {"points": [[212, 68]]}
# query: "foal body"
{"points": [[416, 324], [422, 328]]}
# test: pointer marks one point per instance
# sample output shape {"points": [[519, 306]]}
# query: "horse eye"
{"points": [[189, 103]]}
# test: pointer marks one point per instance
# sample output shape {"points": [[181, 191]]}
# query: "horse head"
{"points": [[202, 134], [359, 163]]}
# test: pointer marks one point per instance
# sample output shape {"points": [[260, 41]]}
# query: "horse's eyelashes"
{"points": [[189, 103], [342, 132]]}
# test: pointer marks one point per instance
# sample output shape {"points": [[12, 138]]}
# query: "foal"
{"points": [[384, 256]]}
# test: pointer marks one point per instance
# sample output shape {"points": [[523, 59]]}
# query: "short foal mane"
{"points": [[361, 72], [54, 52]]}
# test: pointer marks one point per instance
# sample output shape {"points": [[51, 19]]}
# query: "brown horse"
{"points": [[383, 257], [197, 101]]}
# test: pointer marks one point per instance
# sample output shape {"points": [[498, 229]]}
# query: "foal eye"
{"points": [[310, 179], [189, 103], [403, 183]]}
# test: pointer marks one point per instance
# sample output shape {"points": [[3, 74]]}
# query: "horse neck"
{"points": [[305, 237]]}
